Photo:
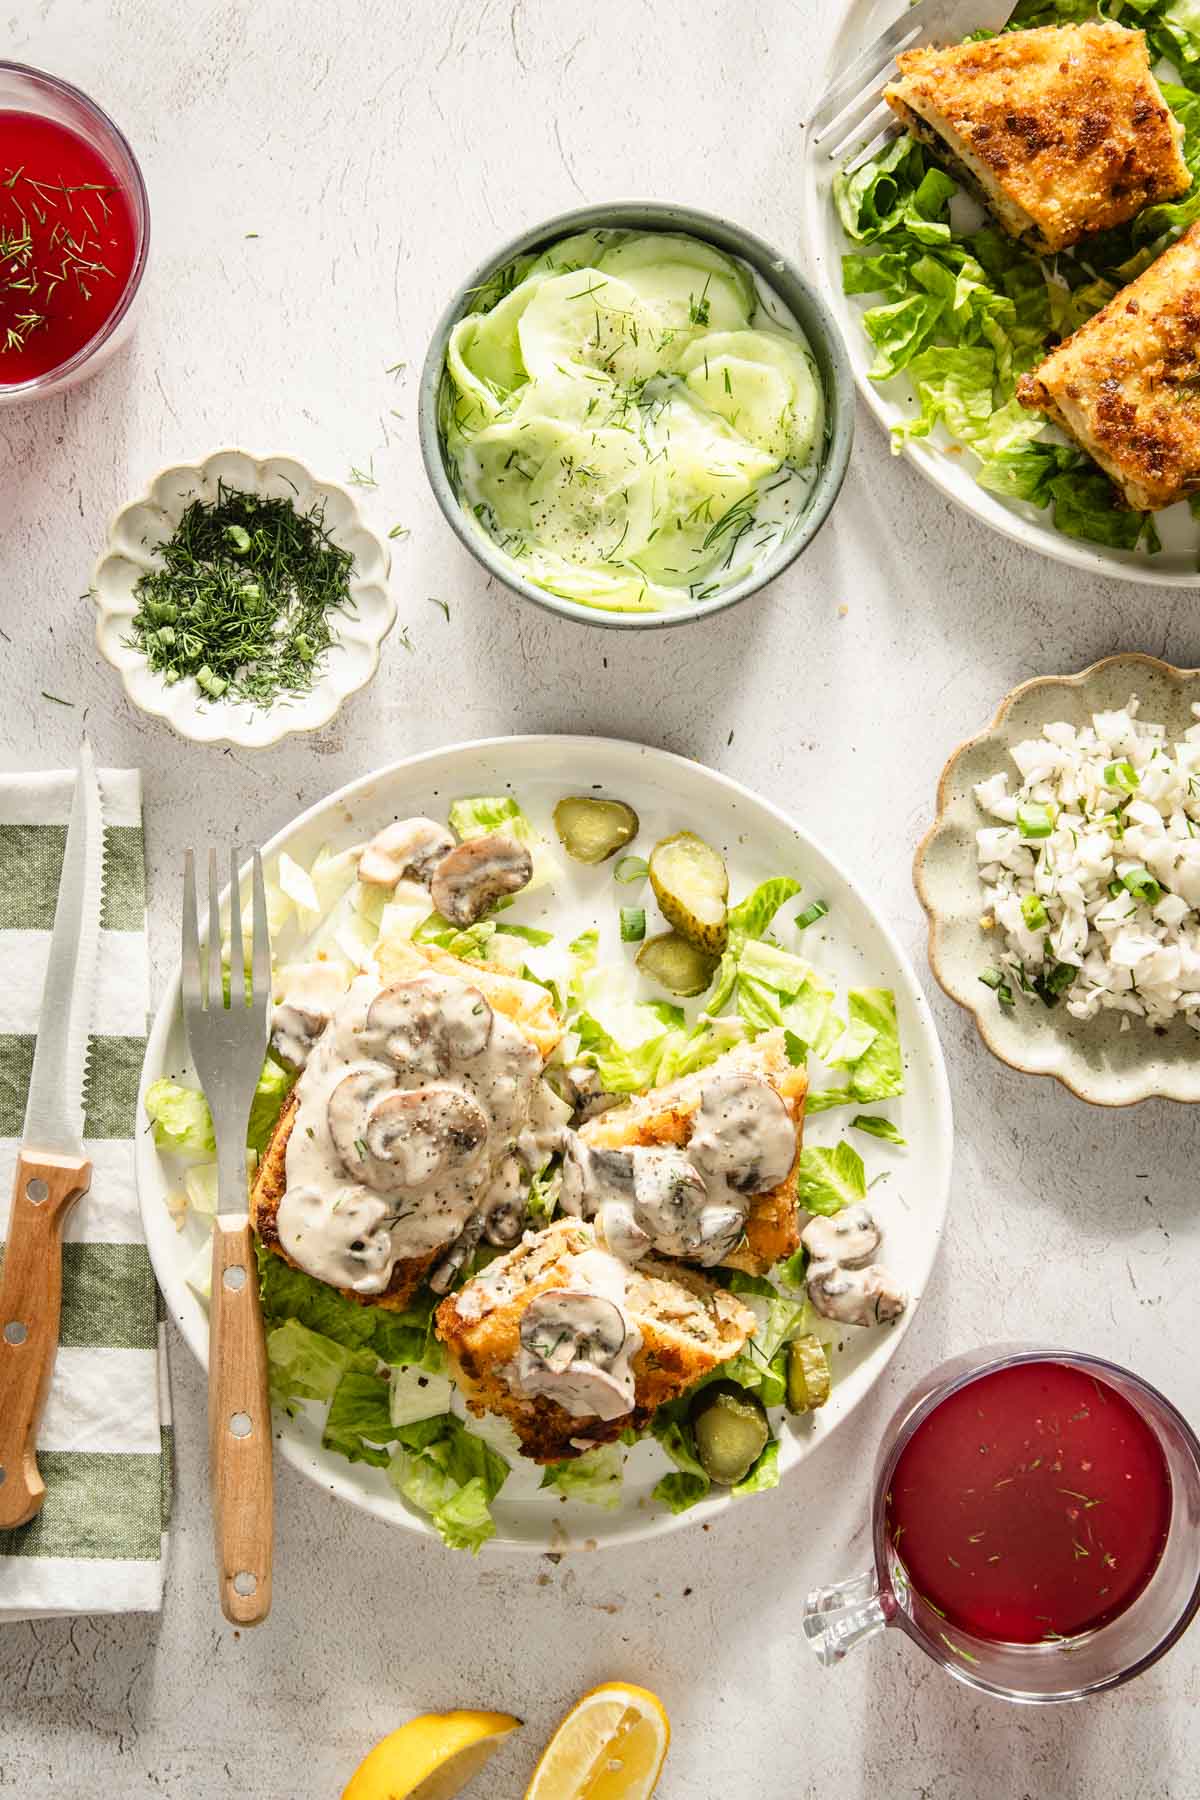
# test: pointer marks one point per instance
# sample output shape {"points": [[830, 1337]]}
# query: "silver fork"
{"points": [[228, 1041], [853, 122]]}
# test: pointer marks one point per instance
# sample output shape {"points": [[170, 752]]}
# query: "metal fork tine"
{"points": [[262, 939], [864, 72], [216, 995], [868, 127], [237, 955], [191, 934], [876, 144]]}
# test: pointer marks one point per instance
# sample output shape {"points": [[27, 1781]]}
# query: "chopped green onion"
{"points": [[1115, 888], [239, 537], [993, 979], [1034, 819], [1054, 981], [810, 915], [630, 869], [1142, 885], [213, 685], [1033, 911], [633, 924], [1121, 775]]}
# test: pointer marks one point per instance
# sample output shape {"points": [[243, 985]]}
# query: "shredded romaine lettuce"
{"points": [[358, 1424], [306, 1365], [595, 1477], [446, 1471], [875, 1126], [830, 1178], [181, 1118], [402, 1339]]}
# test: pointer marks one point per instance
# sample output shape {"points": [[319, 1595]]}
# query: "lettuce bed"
{"points": [[963, 314]]}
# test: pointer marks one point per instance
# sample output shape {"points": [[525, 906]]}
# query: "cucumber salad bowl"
{"points": [[636, 414]]}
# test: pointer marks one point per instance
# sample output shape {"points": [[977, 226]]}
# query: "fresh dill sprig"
{"points": [[444, 604], [364, 478], [244, 600]]}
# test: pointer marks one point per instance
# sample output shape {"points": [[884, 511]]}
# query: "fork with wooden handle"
{"points": [[227, 1036]]}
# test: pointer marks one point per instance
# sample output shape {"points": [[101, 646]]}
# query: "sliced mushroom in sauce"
{"points": [[410, 848], [469, 880], [428, 1022], [743, 1133]]}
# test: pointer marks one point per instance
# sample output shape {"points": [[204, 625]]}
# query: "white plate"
{"points": [[892, 401], [757, 840]]}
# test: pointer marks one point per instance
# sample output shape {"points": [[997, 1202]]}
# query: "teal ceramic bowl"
{"points": [[778, 273]]}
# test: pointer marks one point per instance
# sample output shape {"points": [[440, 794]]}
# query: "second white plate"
{"points": [[952, 472], [853, 944]]}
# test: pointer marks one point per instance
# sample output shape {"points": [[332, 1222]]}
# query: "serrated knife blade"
{"points": [[52, 1170], [55, 1107]]}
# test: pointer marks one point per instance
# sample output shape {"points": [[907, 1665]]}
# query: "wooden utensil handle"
{"points": [[44, 1191], [239, 1428]]}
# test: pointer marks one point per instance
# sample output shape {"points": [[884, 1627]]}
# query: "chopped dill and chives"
{"points": [[244, 601]]}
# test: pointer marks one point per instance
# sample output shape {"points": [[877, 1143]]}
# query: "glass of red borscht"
{"points": [[1036, 1527], [74, 234]]}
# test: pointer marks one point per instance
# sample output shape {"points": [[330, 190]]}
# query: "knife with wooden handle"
{"points": [[52, 1170]]}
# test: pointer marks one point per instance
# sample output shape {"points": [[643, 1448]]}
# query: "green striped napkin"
{"points": [[104, 1447]]}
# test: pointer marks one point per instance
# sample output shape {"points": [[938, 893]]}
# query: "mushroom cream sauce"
{"points": [[420, 1111]]}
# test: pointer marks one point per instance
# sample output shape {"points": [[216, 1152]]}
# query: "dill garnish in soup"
{"points": [[244, 600], [633, 418]]}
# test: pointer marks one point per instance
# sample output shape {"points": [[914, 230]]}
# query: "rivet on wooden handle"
{"points": [[239, 1428], [45, 1189]]}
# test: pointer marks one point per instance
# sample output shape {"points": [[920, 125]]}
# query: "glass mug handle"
{"points": [[836, 1619]]}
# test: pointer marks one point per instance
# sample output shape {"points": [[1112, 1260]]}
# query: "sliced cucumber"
{"points": [[582, 250], [731, 1430], [705, 469], [754, 399], [677, 964], [689, 283], [616, 590], [500, 464], [493, 351], [591, 830], [807, 1374], [590, 318], [594, 500], [691, 885], [577, 397], [477, 404], [774, 350]]}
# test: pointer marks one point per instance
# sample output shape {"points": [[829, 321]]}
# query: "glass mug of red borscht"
{"points": [[1036, 1527], [74, 234]]}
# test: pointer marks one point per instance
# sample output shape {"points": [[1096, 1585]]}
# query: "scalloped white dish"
{"points": [[1094, 1058], [853, 945], [352, 658], [938, 458]]}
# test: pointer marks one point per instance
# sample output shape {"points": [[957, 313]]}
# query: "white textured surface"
{"points": [[379, 149]]}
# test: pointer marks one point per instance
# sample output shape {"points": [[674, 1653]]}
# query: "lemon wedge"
{"points": [[610, 1746], [433, 1757]]}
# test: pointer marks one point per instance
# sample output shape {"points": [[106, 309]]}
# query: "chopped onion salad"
{"points": [[1092, 872], [380, 1375]]}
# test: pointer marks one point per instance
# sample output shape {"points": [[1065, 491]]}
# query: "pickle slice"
{"points": [[592, 830], [807, 1374], [681, 967], [730, 1429], [691, 885]]}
